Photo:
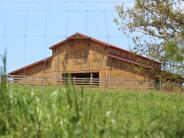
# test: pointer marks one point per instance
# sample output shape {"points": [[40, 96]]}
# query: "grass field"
{"points": [[46, 112]]}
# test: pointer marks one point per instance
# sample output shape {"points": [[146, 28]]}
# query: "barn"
{"points": [[89, 61]]}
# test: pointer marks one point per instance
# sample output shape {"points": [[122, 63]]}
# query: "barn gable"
{"points": [[72, 45], [82, 36]]}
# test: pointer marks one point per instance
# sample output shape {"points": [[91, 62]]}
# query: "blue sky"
{"points": [[29, 27]]}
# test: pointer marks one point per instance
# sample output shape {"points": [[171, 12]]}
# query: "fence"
{"points": [[93, 82], [87, 82]]}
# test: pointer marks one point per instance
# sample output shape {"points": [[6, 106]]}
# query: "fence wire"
{"points": [[30, 20]]}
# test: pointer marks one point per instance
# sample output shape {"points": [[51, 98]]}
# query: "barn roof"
{"points": [[79, 35], [28, 66]]}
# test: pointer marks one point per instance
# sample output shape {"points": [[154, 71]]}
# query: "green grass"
{"points": [[46, 112]]}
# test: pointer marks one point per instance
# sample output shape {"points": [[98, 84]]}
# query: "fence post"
{"points": [[107, 81], [74, 81], [91, 79]]}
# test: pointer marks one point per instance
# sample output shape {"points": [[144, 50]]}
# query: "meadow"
{"points": [[68, 112]]}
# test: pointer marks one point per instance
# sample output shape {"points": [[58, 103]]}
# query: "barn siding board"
{"points": [[80, 53]]}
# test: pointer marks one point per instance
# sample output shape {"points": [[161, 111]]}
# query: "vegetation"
{"points": [[31, 111], [3, 69], [157, 29]]}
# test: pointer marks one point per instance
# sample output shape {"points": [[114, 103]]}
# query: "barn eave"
{"points": [[30, 65]]}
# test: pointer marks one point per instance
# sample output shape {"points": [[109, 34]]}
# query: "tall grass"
{"points": [[69, 112], [3, 84], [5, 98], [72, 112]]}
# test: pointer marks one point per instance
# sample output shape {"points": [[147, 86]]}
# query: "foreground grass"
{"points": [[90, 113]]}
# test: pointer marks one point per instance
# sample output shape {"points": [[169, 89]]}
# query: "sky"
{"points": [[29, 27]]}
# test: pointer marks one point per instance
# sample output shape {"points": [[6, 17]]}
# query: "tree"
{"points": [[157, 30]]}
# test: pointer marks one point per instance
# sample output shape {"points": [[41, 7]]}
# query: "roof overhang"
{"points": [[31, 65], [129, 61]]}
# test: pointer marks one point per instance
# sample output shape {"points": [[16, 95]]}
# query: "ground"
{"points": [[88, 113]]}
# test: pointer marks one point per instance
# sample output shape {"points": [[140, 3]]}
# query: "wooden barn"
{"points": [[92, 62]]}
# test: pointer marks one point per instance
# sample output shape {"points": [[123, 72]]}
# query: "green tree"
{"points": [[157, 30]]}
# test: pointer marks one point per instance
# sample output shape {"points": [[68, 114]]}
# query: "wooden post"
{"points": [[91, 79], [108, 79], [74, 80]]}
